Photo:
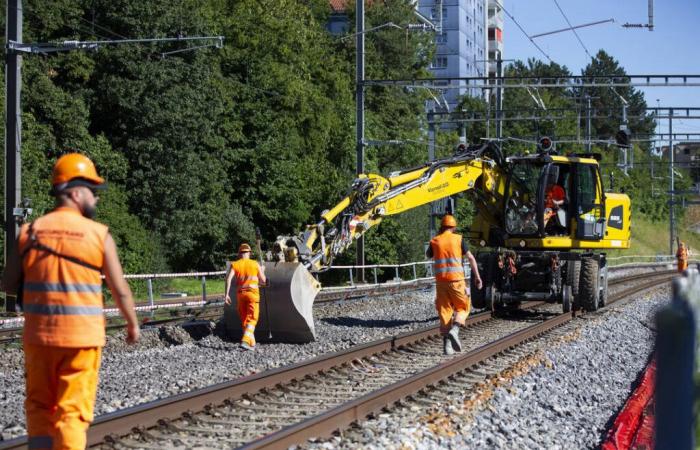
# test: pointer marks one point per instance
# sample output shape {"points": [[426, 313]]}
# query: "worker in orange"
{"points": [[57, 267], [448, 250], [248, 275], [554, 197], [682, 256]]}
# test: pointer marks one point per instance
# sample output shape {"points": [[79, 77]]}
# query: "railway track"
{"points": [[188, 313], [286, 406]]}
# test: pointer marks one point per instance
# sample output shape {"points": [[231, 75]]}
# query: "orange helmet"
{"points": [[74, 167], [244, 248], [448, 221]]}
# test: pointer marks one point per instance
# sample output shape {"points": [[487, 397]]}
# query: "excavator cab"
{"points": [[554, 196], [539, 198]]}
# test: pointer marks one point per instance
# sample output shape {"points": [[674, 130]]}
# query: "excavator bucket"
{"points": [[286, 306]]}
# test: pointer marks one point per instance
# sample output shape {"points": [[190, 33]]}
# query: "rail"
{"points": [[150, 414]]}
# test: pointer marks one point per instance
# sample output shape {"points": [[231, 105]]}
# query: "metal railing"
{"points": [[352, 271], [676, 352]]}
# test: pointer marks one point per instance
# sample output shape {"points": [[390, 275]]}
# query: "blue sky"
{"points": [[672, 48]]}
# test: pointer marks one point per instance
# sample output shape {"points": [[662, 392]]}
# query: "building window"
{"points": [[441, 38], [440, 62], [434, 13]]}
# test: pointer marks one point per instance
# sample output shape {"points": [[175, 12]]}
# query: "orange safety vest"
{"points": [[62, 299], [682, 254], [246, 276], [447, 256]]}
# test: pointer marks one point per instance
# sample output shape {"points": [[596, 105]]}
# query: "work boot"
{"points": [[453, 336], [447, 346], [246, 346]]}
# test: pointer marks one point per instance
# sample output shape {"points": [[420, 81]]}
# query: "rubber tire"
{"points": [[566, 298], [573, 272], [489, 294], [477, 295], [603, 298], [588, 284]]}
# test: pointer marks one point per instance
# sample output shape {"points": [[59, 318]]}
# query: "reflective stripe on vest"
{"points": [[62, 287], [447, 257], [62, 299], [64, 310], [246, 275]]}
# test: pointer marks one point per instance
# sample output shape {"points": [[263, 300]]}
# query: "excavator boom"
{"points": [[514, 217]]}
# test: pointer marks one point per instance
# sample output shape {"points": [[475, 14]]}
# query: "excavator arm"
{"points": [[372, 197]]}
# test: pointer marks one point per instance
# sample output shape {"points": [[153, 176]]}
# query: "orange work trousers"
{"points": [[682, 265], [451, 299], [248, 303], [61, 389]]}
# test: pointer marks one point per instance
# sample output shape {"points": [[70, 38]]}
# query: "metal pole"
{"points": [[624, 123], [149, 283], [431, 157], [499, 98], [375, 276], [204, 289], [13, 132], [360, 98], [671, 223], [588, 124]]}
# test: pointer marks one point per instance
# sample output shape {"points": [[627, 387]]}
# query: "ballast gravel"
{"points": [[171, 360], [567, 400], [568, 405]]}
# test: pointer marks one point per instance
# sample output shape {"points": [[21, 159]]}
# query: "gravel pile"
{"points": [[565, 400], [171, 360]]}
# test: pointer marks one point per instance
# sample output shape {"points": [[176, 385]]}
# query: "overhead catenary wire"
{"points": [[524, 32], [102, 28], [573, 29]]}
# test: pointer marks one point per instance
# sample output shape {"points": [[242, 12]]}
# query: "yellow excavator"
{"points": [[541, 227]]}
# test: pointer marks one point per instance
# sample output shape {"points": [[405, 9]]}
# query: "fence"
{"points": [[399, 271], [676, 350]]}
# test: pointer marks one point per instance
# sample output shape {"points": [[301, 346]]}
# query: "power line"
{"points": [[524, 32], [572, 29], [102, 28]]}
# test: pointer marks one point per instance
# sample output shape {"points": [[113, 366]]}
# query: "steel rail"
{"points": [[323, 425], [146, 415]]}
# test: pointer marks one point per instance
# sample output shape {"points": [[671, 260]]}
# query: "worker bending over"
{"points": [[61, 257], [248, 274], [448, 250], [682, 255]]}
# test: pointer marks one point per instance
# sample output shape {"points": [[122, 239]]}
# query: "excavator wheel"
{"points": [[286, 306], [566, 298], [588, 284]]}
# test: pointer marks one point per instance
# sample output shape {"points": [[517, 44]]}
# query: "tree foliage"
{"points": [[201, 145]]}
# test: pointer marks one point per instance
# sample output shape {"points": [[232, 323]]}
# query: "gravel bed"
{"points": [[566, 399], [626, 271], [170, 360]]}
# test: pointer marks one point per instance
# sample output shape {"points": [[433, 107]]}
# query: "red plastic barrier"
{"points": [[634, 426]]}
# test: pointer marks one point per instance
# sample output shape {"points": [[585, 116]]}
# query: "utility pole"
{"points": [[499, 99], [624, 127], [671, 206], [360, 99], [588, 123], [13, 133], [431, 156]]}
